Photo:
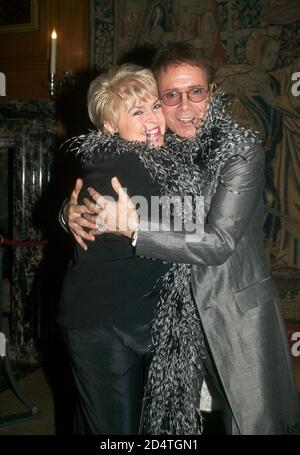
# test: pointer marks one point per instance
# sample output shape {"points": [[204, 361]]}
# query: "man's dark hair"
{"points": [[182, 53]]}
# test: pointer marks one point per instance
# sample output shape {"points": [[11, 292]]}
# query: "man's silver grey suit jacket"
{"points": [[237, 299]]}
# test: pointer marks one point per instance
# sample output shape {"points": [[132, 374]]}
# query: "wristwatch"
{"points": [[134, 237]]}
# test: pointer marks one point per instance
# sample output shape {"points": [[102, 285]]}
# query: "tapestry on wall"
{"points": [[123, 25], [257, 46]]}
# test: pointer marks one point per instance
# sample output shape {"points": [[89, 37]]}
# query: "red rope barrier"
{"points": [[21, 243]]}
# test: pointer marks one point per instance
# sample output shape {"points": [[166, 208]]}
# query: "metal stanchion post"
{"points": [[33, 410]]}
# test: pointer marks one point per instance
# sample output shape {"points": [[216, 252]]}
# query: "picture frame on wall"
{"points": [[18, 16]]}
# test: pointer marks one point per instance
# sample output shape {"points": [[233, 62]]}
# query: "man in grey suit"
{"points": [[249, 362]]}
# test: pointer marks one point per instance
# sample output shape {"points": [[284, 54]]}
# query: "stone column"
{"points": [[32, 127], [31, 168]]}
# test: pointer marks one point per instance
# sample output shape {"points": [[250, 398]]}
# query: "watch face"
{"points": [[134, 237]]}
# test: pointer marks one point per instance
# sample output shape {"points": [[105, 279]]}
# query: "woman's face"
{"points": [[143, 122]]}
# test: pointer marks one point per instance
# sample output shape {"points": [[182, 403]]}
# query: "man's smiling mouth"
{"points": [[186, 120]]}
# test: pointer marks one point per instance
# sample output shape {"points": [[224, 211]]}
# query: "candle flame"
{"points": [[54, 34]]}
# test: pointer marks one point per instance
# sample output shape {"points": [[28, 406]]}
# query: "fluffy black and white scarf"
{"points": [[181, 168]]}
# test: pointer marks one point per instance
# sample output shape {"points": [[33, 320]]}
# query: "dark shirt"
{"points": [[109, 284]]}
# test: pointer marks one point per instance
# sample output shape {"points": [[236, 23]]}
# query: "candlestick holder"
{"points": [[52, 85], [58, 87]]}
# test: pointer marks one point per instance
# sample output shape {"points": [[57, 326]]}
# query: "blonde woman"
{"points": [[108, 337]]}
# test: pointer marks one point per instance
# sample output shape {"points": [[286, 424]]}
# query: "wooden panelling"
{"points": [[24, 56], [73, 29], [26, 85]]}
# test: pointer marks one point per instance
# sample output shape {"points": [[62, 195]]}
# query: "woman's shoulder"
{"points": [[93, 147], [108, 155], [97, 147]]}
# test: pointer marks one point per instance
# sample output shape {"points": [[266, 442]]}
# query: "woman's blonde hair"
{"points": [[121, 87]]}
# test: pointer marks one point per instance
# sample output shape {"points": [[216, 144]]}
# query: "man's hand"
{"points": [[73, 216], [119, 217]]}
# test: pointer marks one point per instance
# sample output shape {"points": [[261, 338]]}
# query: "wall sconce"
{"points": [[57, 87]]}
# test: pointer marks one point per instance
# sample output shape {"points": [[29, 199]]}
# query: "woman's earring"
{"points": [[109, 128]]}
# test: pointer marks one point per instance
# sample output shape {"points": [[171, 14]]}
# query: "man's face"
{"points": [[183, 118]]}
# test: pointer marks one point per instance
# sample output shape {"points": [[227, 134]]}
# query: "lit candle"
{"points": [[53, 52]]}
